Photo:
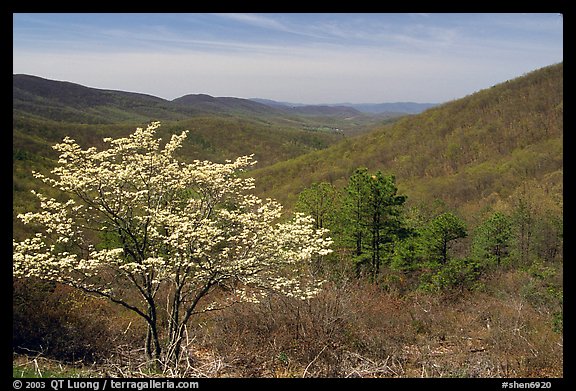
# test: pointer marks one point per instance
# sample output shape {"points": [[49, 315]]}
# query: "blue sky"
{"points": [[304, 58]]}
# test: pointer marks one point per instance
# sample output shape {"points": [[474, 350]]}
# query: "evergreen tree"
{"points": [[492, 239], [375, 220], [356, 196], [441, 231]]}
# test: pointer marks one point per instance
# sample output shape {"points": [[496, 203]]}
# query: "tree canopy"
{"points": [[133, 220]]}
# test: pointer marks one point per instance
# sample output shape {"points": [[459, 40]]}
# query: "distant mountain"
{"points": [[304, 109], [274, 103], [65, 101], [263, 106], [370, 108], [320, 110], [71, 94], [44, 111], [70, 102], [223, 104], [395, 107]]}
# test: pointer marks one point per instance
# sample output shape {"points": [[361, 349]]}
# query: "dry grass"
{"points": [[356, 329]]}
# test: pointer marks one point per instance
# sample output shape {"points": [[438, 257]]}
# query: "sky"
{"points": [[310, 58]]}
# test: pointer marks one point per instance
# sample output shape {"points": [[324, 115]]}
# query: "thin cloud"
{"points": [[269, 23], [309, 58], [311, 76], [256, 20]]}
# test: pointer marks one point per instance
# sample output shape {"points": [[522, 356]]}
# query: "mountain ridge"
{"points": [[367, 108], [67, 101]]}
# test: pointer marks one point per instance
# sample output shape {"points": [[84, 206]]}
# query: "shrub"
{"points": [[60, 322]]}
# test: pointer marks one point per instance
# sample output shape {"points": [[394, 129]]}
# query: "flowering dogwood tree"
{"points": [[137, 224]]}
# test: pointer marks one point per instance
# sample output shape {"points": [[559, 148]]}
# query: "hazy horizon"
{"points": [[297, 58]]}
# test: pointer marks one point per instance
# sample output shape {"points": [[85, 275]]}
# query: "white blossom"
{"points": [[135, 214]]}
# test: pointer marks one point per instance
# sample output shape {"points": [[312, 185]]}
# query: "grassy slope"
{"points": [[469, 152]]}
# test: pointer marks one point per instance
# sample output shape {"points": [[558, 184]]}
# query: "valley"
{"points": [[446, 226]]}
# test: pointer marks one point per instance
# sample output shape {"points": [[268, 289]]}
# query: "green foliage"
{"points": [[321, 201], [457, 273], [471, 152], [537, 224], [410, 253], [365, 219], [426, 251], [543, 290], [558, 322], [492, 239], [441, 232], [373, 211], [495, 158], [356, 208]]}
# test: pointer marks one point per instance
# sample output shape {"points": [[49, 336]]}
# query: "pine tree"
{"points": [[492, 239], [441, 231], [375, 219]]}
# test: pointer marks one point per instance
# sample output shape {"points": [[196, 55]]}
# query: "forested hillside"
{"points": [[41, 98], [45, 111], [470, 152], [429, 246]]}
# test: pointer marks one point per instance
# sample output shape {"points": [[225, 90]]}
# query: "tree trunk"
{"points": [[444, 251], [152, 345], [175, 342]]}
